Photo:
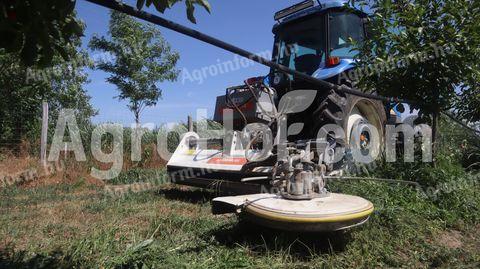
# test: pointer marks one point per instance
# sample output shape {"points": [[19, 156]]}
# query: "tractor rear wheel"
{"points": [[356, 116]]}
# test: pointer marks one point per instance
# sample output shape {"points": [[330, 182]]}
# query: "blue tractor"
{"points": [[315, 39]]}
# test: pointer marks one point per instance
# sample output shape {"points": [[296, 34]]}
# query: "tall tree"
{"points": [[426, 51], [38, 29], [141, 59]]}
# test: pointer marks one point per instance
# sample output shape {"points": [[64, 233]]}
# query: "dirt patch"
{"points": [[13, 165], [17, 170], [27, 172], [450, 239]]}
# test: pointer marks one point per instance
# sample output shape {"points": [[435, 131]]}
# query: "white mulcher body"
{"points": [[283, 186], [194, 156], [298, 204]]}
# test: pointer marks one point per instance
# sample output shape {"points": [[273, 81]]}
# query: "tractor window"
{"points": [[302, 45], [345, 28]]}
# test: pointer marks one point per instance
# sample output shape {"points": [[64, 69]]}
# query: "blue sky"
{"points": [[246, 24]]}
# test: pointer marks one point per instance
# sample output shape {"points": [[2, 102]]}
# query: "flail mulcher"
{"points": [[288, 132]]}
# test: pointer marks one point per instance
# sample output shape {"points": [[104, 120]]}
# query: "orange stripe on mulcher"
{"points": [[228, 161]]}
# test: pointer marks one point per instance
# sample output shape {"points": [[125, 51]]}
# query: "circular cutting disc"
{"points": [[332, 213]]}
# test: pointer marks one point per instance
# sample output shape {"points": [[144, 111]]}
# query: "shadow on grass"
{"points": [[193, 196], [302, 246], [261, 240], [11, 259]]}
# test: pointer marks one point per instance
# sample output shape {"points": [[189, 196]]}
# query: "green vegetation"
{"points": [[80, 226], [425, 51], [23, 89], [83, 226], [141, 60], [37, 30], [140, 175]]}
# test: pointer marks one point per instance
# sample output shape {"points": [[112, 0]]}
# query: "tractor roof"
{"points": [[306, 8]]}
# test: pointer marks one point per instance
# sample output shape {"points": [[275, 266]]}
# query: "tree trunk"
{"points": [[137, 119], [435, 123]]}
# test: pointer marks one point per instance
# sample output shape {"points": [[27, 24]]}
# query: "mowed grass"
{"points": [[77, 225]]}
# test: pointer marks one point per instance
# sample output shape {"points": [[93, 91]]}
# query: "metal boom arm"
{"points": [[113, 4]]}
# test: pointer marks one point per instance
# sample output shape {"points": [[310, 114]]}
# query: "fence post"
{"points": [[190, 124], [43, 139]]}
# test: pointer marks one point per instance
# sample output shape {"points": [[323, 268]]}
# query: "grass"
{"points": [[140, 175], [78, 225]]}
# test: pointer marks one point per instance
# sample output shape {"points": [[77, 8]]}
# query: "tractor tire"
{"points": [[346, 110]]}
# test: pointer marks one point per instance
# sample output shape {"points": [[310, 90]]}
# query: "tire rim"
{"points": [[359, 133]]}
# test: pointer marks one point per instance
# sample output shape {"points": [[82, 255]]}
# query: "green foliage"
{"points": [[23, 89], [142, 59], [447, 188], [153, 143], [38, 30], [469, 100], [162, 5], [431, 49], [460, 144]]}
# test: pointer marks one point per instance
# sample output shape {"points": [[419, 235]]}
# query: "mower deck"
{"points": [[332, 213]]}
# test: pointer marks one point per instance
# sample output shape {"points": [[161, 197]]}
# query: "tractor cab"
{"points": [[316, 38]]}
